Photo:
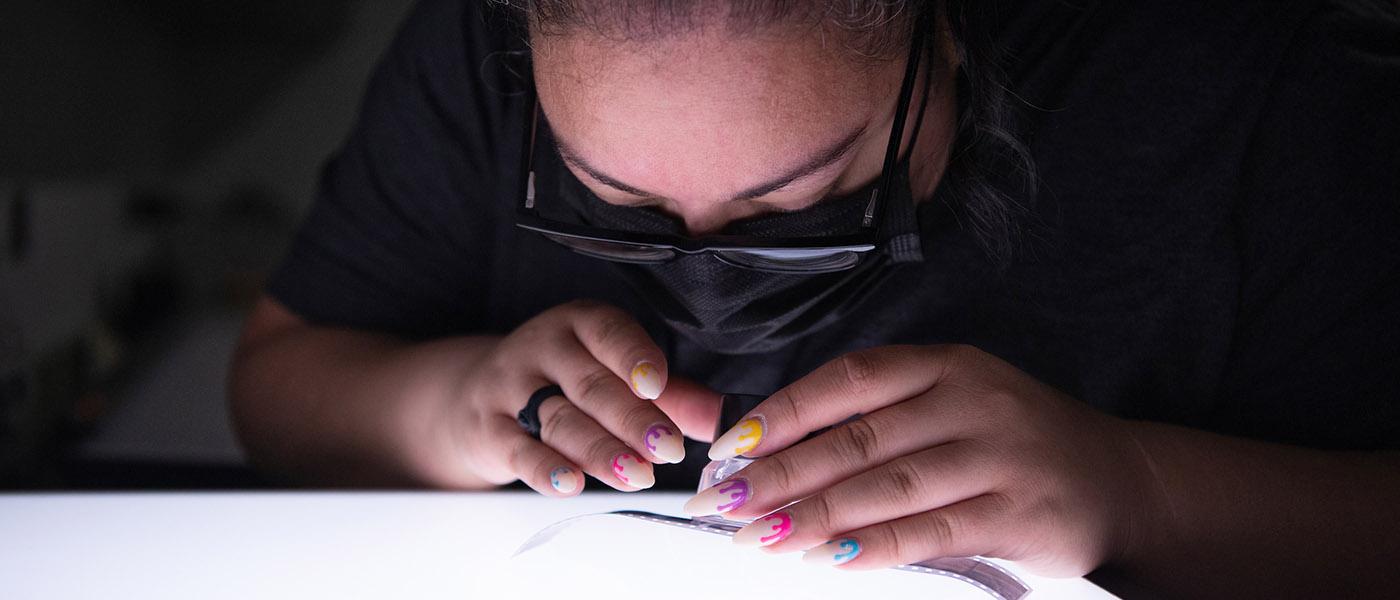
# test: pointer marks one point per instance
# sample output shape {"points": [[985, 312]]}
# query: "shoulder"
{"points": [[1353, 44]]}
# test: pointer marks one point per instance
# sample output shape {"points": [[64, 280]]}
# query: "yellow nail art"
{"points": [[751, 431], [742, 438], [646, 380]]}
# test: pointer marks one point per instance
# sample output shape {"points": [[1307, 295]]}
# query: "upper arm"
{"points": [[1316, 355], [399, 238]]}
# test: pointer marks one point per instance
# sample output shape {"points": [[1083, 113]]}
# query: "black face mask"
{"points": [[732, 310]]}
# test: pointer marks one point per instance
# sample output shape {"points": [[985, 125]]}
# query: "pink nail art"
{"points": [[782, 529], [633, 471], [618, 469]]}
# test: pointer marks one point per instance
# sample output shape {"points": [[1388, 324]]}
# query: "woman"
{"points": [[1106, 284]]}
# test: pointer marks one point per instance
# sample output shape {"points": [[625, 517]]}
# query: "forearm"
{"points": [[341, 407], [1230, 517]]}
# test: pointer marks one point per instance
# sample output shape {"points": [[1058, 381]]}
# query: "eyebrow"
{"points": [[818, 161]]}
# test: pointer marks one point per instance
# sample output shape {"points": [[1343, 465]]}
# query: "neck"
{"points": [[933, 147]]}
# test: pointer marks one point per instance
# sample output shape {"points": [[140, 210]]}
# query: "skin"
{"points": [[697, 120], [957, 452], [341, 407]]}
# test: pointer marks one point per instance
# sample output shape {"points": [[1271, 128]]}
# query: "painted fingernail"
{"points": [[564, 480], [646, 380], [664, 444], [834, 552], [633, 471], [765, 531], [742, 438], [721, 497]]}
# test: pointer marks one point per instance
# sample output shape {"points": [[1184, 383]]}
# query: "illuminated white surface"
{"points": [[406, 545]]}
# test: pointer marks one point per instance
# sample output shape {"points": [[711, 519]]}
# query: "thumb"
{"points": [[693, 407]]}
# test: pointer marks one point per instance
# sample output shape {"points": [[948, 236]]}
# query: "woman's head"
{"points": [[720, 110]]}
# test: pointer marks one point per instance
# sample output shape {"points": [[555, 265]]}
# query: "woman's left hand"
{"points": [[955, 453]]}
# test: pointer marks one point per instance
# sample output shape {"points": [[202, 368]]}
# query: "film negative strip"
{"points": [[982, 574]]}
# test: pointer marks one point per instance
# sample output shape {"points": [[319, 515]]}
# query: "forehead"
{"points": [[717, 101], [727, 66]]}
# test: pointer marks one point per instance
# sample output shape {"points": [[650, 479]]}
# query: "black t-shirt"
{"points": [[1218, 201]]}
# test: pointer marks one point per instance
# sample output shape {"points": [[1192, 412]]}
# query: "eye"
{"points": [[804, 201], [643, 204], [623, 200]]}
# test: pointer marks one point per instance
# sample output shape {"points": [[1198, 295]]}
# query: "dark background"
{"points": [[155, 157]]}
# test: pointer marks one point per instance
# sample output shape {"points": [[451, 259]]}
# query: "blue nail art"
{"points": [[851, 549], [554, 475]]}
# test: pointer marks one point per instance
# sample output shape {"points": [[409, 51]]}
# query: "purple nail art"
{"points": [[655, 431], [738, 490]]}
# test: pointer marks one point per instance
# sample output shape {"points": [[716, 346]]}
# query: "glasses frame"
{"points": [[862, 242]]}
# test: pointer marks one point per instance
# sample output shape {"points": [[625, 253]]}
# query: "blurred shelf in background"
{"points": [[174, 410], [155, 157]]}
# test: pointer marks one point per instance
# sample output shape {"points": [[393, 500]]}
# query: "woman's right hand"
{"points": [[608, 424]]}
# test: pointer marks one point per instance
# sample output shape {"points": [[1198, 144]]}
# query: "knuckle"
{"points": [[858, 441], [858, 371], [610, 328], [986, 456], [555, 315], [552, 420], [593, 311], [904, 483], [522, 463], [952, 356], [781, 407], [513, 454], [595, 383], [533, 466], [779, 474], [999, 504], [581, 305], [537, 335], [998, 407], [904, 545], [964, 351], [601, 449], [940, 529], [636, 415], [819, 512]]}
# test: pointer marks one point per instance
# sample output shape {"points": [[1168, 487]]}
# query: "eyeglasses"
{"points": [[775, 255]]}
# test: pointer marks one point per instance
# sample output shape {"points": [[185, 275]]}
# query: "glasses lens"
{"points": [[795, 260], [612, 250]]}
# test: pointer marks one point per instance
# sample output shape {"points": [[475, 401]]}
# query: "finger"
{"points": [[597, 391], [539, 466], [615, 339], [919, 482], [585, 443], [849, 450], [692, 407], [858, 382], [968, 528]]}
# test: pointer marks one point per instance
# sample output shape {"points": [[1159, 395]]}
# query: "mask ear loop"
{"points": [[903, 243], [906, 88], [923, 107]]}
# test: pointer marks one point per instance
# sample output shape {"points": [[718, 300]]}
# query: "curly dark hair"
{"points": [[991, 174]]}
